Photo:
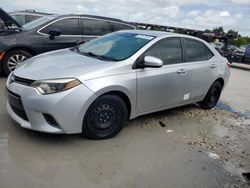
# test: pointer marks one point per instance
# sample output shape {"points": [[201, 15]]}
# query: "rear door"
{"points": [[94, 27], [164, 87], [203, 68], [70, 34]]}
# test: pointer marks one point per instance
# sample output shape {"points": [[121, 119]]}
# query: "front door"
{"points": [[70, 35], [164, 87]]}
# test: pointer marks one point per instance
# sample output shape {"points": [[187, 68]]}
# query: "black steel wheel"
{"points": [[105, 117], [212, 96]]}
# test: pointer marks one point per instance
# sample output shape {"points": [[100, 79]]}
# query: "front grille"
{"points": [[17, 105], [23, 81]]}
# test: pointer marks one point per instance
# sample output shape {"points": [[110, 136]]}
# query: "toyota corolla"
{"points": [[96, 87]]}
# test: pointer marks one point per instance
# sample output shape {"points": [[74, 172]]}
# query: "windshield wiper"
{"points": [[75, 48], [91, 54]]}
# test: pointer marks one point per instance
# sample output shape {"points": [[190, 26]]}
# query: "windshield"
{"points": [[117, 46], [37, 22]]}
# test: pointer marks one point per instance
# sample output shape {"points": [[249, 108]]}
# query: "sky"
{"points": [[192, 14]]}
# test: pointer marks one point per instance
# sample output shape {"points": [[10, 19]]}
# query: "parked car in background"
{"points": [[112, 79], [246, 57], [26, 16], [51, 33]]}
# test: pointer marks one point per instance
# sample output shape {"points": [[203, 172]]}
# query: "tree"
{"points": [[208, 31], [218, 30], [233, 33]]}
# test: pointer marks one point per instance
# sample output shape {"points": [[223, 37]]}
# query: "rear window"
{"points": [[197, 51], [30, 18], [118, 26], [96, 27]]}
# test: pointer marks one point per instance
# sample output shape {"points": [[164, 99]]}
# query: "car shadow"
{"points": [[165, 113], [55, 139]]}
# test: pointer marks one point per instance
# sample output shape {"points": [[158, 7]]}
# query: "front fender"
{"points": [[125, 83]]}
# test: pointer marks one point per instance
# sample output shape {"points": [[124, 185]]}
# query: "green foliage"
{"points": [[218, 30], [241, 41], [234, 37]]}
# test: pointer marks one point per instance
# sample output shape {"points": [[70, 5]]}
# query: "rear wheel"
{"points": [[12, 59], [105, 118], [212, 97]]}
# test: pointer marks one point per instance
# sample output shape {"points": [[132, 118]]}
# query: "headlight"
{"points": [[54, 86]]}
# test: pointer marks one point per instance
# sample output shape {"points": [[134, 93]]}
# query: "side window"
{"points": [[196, 51], [209, 53], [96, 27], [68, 26], [168, 50], [118, 26]]}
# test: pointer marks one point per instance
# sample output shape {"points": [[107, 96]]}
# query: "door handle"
{"points": [[213, 66], [181, 71]]}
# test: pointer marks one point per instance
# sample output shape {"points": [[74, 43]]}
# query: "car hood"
{"points": [[8, 20], [59, 64]]}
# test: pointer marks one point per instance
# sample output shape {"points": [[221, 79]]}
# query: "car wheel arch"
{"points": [[24, 48], [123, 96], [219, 79]]}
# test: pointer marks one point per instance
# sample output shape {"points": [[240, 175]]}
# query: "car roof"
{"points": [[158, 33], [97, 17], [29, 12]]}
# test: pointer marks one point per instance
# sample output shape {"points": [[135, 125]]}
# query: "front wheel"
{"points": [[105, 118], [12, 59], [212, 97]]}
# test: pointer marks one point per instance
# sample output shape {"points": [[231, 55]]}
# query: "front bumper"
{"points": [[67, 108]]}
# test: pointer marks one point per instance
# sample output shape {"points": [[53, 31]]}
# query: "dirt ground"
{"points": [[183, 147]]}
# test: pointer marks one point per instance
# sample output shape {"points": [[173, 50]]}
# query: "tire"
{"points": [[105, 117], [212, 97], [12, 59]]}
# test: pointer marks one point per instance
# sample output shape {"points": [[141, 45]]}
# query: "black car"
{"points": [[51, 33]]}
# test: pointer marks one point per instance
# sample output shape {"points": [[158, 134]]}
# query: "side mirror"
{"points": [[53, 33], [153, 62]]}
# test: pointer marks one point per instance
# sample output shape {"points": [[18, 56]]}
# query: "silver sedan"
{"points": [[96, 87]]}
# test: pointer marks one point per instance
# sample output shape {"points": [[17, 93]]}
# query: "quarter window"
{"points": [[69, 26], [197, 51], [118, 26], [96, 27], [209, 53], [168, 50]]}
